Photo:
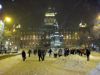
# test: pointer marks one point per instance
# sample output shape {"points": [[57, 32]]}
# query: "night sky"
{"points": [[70, 12]]}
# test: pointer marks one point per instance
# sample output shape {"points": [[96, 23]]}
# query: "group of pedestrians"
{"points": [[41, 54], [57, 53], [67, 51]]}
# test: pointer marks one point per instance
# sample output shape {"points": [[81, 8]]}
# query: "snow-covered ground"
{"points": [[6, 64], [95, 71], [70, 65], [77, 63]]}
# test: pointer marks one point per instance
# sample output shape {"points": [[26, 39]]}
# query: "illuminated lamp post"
{"points": [[7, 24], [7, 32]]}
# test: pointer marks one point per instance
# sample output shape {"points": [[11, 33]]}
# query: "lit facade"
{"points": [[45, 35], [33, 39]]}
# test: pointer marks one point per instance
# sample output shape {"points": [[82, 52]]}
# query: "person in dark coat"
{"points": [[50, 51], [40, 54], [29, 52], [23, 55], [88, 54], [66, 52], [35, 51], [43, 54]]}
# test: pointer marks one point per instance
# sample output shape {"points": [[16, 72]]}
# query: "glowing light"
{"points": [[14, 30], [7, 19], [76, 33], [89, 37], [0, 6], [56, 32], [10, 44], [56, 35], [7, 42], [50, 14], [82, 25], [18, 26], [98, 17], [67, 36], [61, 35], [15, 47]]}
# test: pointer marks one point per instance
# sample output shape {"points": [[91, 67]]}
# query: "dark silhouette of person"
{"points": [[29, 52], [50, 51], [40, 54], [23, 55], [35, 51], [43, 53], [88, 54], [66, 52]]}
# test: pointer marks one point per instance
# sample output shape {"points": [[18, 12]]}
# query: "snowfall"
{"points": [[69, 65]]}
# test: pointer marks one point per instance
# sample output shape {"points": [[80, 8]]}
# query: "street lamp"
{"points": [[7, 29], [7, 25], [7, 19]]}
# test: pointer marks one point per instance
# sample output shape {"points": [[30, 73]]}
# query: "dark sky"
{"points": [[70, 12]]}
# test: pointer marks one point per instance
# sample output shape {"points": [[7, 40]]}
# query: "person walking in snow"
{"points": [[66, 52], [23, 55], [50, 52], [29, 52], [40, 54], [88, 54]]}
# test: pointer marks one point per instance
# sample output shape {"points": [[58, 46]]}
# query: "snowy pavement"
{"points": [[70, 65], [6, 64], [95, 71]]}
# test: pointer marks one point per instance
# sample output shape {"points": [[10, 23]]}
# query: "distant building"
{"points": [[50, 34]]}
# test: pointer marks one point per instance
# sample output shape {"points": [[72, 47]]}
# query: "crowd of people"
{"points": [[41, 54], [57, 52]]}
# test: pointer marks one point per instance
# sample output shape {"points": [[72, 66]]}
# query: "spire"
{"points": [[50, 12], [50, 17]]}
